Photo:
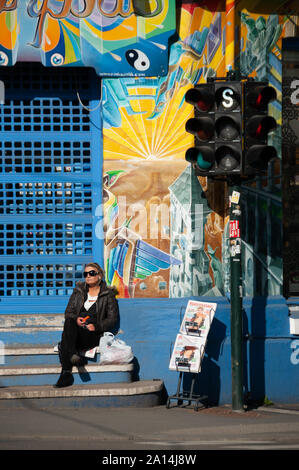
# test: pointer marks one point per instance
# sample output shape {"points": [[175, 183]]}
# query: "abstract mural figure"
{"points": [[262, 36], [84, 32], [129, 259]]}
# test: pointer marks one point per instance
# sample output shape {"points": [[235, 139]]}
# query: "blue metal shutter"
{"points": [[50, 186]]}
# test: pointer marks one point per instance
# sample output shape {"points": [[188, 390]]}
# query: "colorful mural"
{"points": [[153, 195], [145, 143], [121, 38]]}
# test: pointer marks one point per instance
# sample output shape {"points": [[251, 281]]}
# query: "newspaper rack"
{"points": [[189, 349], [181, 395]]}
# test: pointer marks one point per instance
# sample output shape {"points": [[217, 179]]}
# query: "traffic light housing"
{"points": [[201, 126], [257, 125], [217, 128]]}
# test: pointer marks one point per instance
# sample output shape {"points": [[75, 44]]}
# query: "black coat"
{"points": [[107, 312]]}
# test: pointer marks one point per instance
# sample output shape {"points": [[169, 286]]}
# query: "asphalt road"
{"points": [[147, 429]]}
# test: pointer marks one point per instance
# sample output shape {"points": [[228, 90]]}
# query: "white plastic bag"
{"points": [[114, 350]]}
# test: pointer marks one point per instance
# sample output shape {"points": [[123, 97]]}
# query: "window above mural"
{"points": [[116, 38]]}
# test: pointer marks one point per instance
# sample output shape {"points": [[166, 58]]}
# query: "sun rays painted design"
{"points": [[146, 134]]}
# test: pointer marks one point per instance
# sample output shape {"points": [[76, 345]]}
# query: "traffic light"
{"points": [[217, 128], [202, 127], [257, 125]]}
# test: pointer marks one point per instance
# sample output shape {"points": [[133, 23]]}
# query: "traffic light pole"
{"points": [[236, 294], [230, 128]]}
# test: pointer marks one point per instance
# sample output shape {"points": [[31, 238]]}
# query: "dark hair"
{"points": [[97, 267]]}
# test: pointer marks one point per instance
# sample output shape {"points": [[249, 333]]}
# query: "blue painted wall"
{"points": [[150, 326], [271, 354]]}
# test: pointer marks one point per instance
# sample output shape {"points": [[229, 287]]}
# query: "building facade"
{"points": [[93, 142]]}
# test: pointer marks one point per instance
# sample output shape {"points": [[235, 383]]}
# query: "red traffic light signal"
{"points": [[257, 126], [201, 97], [259, 95]]}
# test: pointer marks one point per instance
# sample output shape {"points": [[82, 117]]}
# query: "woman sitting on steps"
{"points": [[92, 309]]}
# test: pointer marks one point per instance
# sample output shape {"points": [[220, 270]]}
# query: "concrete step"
{"points": [[31, 329], [29, 364], [47, 374], [34, 354], [30, 354], [39, 320], [140, 393], [29, 367]]}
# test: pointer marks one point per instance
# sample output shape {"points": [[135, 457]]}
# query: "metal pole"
{"points": [[236, 296]]}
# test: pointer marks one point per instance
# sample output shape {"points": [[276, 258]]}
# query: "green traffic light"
{"points": [[202, 163], [203, 158]]}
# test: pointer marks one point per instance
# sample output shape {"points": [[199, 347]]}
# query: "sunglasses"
{"points": [[90, 273]]}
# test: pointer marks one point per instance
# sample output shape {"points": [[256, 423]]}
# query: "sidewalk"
{"points": [[136, 429]]}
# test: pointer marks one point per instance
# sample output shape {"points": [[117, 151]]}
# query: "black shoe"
{"points": [[65, 380]]}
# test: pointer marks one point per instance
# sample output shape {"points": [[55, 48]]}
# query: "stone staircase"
{"points": [[29, 366]]}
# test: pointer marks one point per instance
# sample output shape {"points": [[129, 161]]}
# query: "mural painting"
{"points": [[83, 33], [151, 194], [198, 217]]}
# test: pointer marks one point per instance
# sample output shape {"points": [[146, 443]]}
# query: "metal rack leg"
{"points": [[179, 384], [192, 388], [181, 396], [178, 393]]}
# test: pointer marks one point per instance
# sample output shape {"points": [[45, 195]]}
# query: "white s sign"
{"points": [[227, 100]]}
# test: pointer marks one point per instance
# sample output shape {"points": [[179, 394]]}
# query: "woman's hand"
{"points": [[80, 321], [90, 327]]}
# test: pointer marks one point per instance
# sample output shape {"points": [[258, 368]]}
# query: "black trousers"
{"points": [[75, 338]]}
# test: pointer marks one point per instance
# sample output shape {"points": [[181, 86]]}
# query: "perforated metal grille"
{"points": [[45, 157], [38, 279], [45, 239], [49, 179], [38, 115], [45, 198]]}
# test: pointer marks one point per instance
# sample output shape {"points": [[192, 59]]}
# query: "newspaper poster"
{"points": [[198, 318], [187, 353]]}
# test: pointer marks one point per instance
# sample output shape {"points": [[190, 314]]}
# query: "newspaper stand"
{"points": [[183, 367], [188, 396]]}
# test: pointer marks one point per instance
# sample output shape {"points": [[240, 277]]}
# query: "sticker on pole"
{"points": [[235, 197], [234, 230], [235, 246]]}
